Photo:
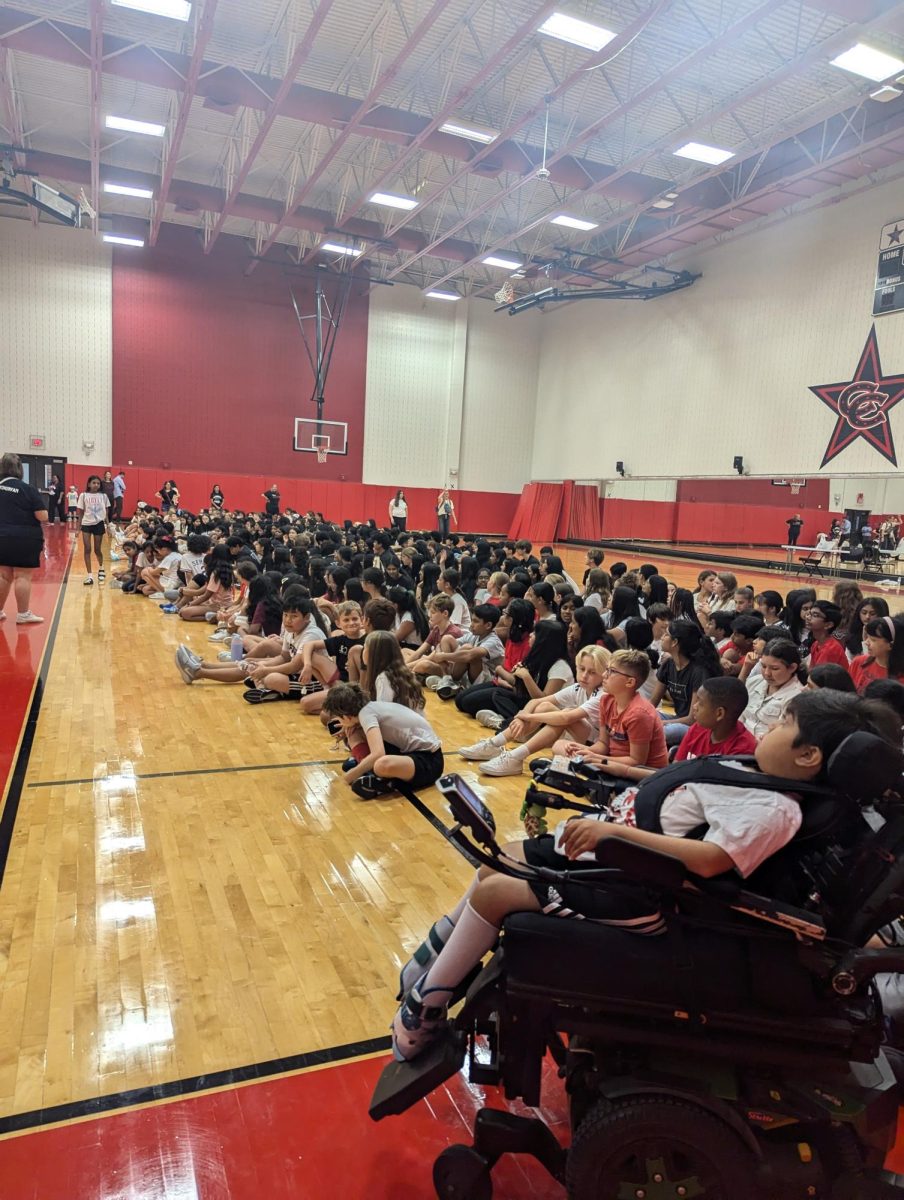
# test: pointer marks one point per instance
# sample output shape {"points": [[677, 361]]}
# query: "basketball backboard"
{"points": [[312, 436]]}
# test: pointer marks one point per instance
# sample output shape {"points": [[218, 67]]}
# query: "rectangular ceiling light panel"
{"points": [[443, 296], [177, 10], [466, 129], [127, 125], [337, 249], [116, 239], [405, 202], [573, 222], [579, 33], [700, 152], [122, 189], [867, 61], [508, 264]]}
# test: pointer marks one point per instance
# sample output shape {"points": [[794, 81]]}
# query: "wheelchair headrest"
{"points": [[865, 767]]}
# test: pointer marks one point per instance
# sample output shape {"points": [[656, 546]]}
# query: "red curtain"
{"points": [[584, 523], [537, 514]]}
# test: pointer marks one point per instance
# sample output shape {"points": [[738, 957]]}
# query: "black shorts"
{"points": [[622, 903], [428, 765], [94, 530], [22, 552]]}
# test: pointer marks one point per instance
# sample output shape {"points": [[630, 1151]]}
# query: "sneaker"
{"points": [[448, 691], [116, 584], [435, 682], [102, 575], [349, 764], [425, 956], [503, 764], [221, 635], [88, 580], [481, 751], [225, 656], [153, 595], [114, 557], [167, 608], [256, 695], [490, 720], [29, 618], [186, 655], [370, 786], [210, 616], [187, 670], [415, 1025]]}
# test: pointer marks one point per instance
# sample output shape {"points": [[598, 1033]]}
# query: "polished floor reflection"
{"points": [[193, 899]]}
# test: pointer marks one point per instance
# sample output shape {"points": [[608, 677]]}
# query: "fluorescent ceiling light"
{"points": [[474, 133], [337, 249], [116, 240], [572, 222], [443, 296], [886, 93], [127, 125], [869, 62], [664, 203], [509, 264], [121, 189], [578, 33], [391, 201], [178, 10], [705, 154]]}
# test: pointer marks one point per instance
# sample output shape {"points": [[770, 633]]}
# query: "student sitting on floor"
{"points": [[469, 659], [773, 686], [744, 827], [824, 621], [449, 584], [884, 657], [439, 618], [743, 631], [325, 660], [385, 675], [690, 659], [543, 672], [400, 743], [213, 597], [573, 715], [379, 613]]}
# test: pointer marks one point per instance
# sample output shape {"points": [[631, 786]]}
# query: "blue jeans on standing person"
{"points": [[443, 526]]}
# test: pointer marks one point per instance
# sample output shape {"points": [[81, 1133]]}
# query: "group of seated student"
{"points": [[623, 670]]}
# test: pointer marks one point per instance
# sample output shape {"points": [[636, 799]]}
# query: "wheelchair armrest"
{"points": [[647, 866], [858, 966]]}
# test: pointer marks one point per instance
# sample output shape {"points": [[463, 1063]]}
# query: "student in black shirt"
{"points": [[23, 511], [318, 669], [692, 659]]}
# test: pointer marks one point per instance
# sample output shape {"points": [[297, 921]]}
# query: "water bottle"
{"points": [[236, 647]]}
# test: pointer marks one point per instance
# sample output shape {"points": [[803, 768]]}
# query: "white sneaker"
{"points": [[156, 596], [29, 618], [490, 720], [221, 635], [225, 656], [89, 579], [481, 751], [435, 682], [115, 557], [503, 764]]}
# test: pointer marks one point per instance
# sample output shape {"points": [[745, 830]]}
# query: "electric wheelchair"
{"points": [[738, 1056]]}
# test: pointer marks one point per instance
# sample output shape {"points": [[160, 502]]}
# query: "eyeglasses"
{"points": [[612, 671]]}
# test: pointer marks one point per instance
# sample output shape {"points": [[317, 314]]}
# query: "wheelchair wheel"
{"points": [[460, 1173], [653, 1148]]}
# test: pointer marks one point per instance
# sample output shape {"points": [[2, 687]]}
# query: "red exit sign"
{"points": [[36, 441]]}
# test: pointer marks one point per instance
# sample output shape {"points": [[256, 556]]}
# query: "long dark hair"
{"points": [[468, 568], [682, 607], [591, 627], [430, 572], [261, 591], [854, 640], [794, 603], [405, 601], [695, 646], [892, 630], [624, 605], [550, 644], [659, 590], [522, 616]]}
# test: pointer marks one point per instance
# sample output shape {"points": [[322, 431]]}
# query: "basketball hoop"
{"points": [[506, 293], [795, 488], [322, 452]]}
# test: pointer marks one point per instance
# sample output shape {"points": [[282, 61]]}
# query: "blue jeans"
{"points": [[674, 731]]}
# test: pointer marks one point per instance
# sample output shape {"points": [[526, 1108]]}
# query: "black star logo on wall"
{"points": [[894, 236], [862, 405]]}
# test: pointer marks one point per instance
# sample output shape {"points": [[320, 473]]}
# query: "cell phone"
{"points": [[563, 765], [467, 807]]}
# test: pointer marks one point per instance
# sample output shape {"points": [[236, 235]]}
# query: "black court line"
{"points": [[17, 780], [97, 1106], [418, 804], [314, 762]]}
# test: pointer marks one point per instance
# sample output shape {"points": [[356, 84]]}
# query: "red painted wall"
{"points": [[753, 491], [209, 367], [478, 512]]}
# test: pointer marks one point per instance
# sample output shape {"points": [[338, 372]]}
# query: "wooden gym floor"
{"points": [[198, 918]]}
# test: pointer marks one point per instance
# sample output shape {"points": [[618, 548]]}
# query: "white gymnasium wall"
{"points": [[678, 386], [450, 387], [56, 339]]}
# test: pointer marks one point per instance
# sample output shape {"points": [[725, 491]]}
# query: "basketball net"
{"points": [[795, 489], [506, 293], [322, 452]]}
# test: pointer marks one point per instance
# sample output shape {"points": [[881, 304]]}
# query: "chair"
{"points": [[811, 564], [738, 1056]]}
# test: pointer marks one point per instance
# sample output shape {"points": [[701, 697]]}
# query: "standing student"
{"points": [[398, 511], [272, 498], [217, 499], [93, 506], [23, 512], [169, 496], [795, 524], [108, 489], [56, 500], [119, 494], [72, 504], [445, 512]]}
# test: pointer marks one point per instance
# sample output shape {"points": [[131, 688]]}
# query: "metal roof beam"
{"points": [[11, 114], [96, 18]]}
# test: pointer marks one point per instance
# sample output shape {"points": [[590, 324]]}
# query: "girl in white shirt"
{"points": [[386, 675], [92, 507], [398, 511]]}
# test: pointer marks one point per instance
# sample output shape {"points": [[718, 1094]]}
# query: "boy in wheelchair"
{"points": [[713, 829]]}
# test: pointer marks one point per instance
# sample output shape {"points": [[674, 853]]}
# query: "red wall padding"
{"points": [[696, 522], [759, 492], [478, 512], [652, 520], [209, 367]]}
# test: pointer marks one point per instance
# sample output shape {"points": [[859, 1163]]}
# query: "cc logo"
{"points": [[862, 405]]}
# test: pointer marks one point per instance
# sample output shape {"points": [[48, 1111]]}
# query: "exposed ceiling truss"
{"points": [[284, 117]]}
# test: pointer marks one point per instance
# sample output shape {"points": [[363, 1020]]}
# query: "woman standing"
{"points": [[445, 511], [93, 507], [168, 495], [57, 498], [108, 489], [398, 511], [22, 513], [217, 499]]}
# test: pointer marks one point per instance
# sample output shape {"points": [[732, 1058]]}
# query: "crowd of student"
{"points": [[621, 669]]}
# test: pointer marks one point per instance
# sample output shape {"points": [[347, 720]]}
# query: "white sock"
{"points": [[520, 752], [498, 739], [459, 908], [471, 938]]}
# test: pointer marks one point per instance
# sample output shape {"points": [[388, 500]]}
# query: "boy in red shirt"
{"points": [[716, 729], [823, 619], [631, 733]]}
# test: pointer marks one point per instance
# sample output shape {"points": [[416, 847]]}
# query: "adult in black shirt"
{"points": [[272, 498], [795, 524], [23, 511], [57, 499]]}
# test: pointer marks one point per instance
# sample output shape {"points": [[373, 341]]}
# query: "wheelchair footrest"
{"points": [[497, 1133], [402, 1084]]}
